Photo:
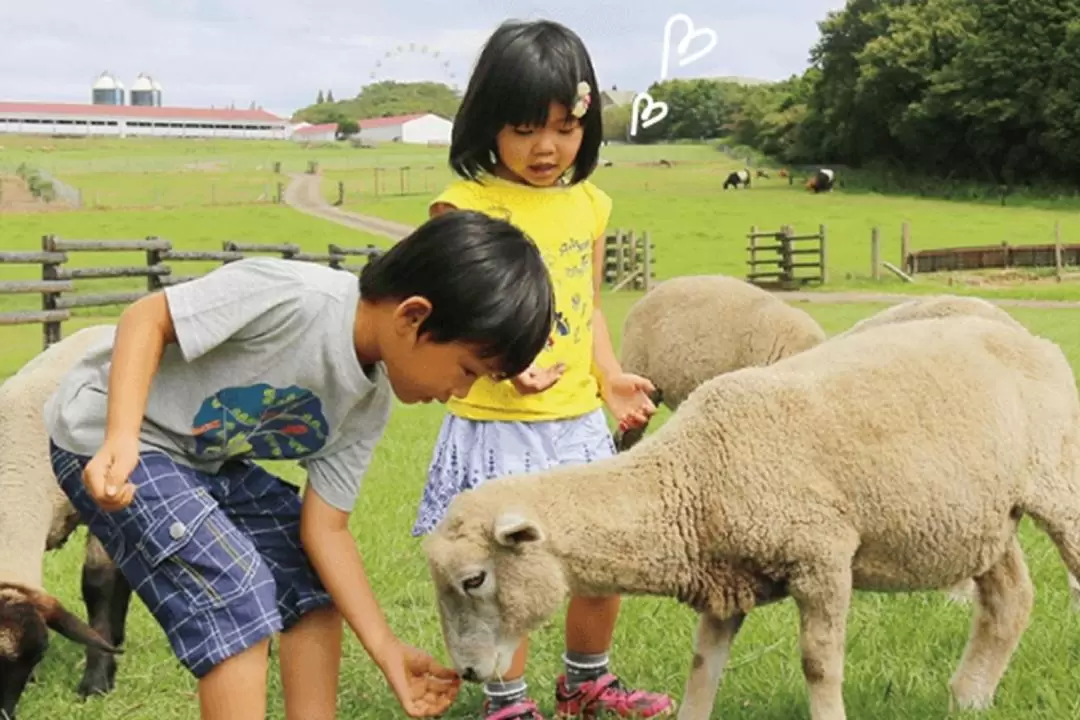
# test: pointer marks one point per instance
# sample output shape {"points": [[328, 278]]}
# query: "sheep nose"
{"points": [[469, 675]]}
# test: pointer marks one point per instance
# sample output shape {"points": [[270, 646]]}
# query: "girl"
{"points": [[525, 141]]}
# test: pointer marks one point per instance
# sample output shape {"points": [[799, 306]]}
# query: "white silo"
{"points": [[107, 90], [146, 91]]}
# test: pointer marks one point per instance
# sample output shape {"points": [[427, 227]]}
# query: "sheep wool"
{"points": [[36, 516], [692, 328], [880, 461]]}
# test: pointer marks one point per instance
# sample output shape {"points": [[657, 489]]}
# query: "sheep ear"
{"points": [[512, 529]]}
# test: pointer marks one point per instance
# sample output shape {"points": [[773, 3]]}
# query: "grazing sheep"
{"points": [[736, 178], [35, 517], [935, 306], [689, 329], [881, 461]]}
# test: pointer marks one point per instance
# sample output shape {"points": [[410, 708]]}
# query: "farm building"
{"points": [[308, 133], [419, 128], [138, 120]]}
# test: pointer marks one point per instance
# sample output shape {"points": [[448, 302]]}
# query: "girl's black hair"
{"points": [[486, 281], [522, 68]]}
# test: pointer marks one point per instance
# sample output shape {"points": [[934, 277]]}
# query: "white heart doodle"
{"points": [[654, 112], [684, 44]]}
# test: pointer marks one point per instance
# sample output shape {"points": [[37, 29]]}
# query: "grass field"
{"points": [[901, 649]]}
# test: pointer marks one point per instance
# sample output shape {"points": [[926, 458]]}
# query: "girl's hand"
{"points": [[422, 686], [106, 476], [537, 379], [627, 397]]}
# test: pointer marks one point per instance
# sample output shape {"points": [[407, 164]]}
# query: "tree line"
{"points": [[987, 91]]}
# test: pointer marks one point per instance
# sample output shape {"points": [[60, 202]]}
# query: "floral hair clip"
{"points": [[581, 102]]}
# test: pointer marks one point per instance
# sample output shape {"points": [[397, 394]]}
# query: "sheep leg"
{"points": [[962, 592], [1004, 598], [823, 597], [711, 653], [107, 594]]}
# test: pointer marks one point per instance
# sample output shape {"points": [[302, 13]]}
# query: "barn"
{"points": [[418, 128], [323, 133], [26, 118]]}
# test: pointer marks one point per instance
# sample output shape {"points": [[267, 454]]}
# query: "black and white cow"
{"points": [[822, 182], [739, 177]]}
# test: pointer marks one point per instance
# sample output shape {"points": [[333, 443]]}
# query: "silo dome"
{"points": [[146, 91], [107, 90]]}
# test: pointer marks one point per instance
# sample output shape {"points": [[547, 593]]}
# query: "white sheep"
{"points": [[934, 306], [881, 461], [35, 517], [692, 328]]}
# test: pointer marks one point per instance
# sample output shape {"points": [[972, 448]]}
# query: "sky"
{"points": [[279, 53]]}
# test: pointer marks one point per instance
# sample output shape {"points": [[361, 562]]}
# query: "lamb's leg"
{"points": [[1004, 598], [823, 597], [711, 653], [107, 594], [1074, 592]]}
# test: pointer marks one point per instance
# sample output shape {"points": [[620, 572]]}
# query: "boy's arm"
{"points": [[324, 532]]}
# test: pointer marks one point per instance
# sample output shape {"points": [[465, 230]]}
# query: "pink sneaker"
{"points": [[607, 695], [524, 710]]}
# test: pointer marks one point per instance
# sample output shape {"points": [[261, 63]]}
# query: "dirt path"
{"points": [[304, 194]]}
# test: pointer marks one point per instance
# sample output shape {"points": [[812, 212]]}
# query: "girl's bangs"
{"points": [[525, 96]]}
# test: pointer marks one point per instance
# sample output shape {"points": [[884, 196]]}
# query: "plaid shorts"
{"points": [[216, 558]]}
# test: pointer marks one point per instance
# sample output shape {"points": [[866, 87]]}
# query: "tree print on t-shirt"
{"points": [[260, 421]]}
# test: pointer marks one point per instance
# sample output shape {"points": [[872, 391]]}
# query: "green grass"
{"points": [[901, 649], [698, 227]]}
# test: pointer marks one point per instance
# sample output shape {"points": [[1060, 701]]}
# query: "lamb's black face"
{"points": [[24, 638]]}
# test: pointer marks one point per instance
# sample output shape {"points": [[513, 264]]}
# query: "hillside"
{"points": [[383, 99]]}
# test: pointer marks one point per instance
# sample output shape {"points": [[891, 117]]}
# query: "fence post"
{"points": [[905, 239], [153, 257], [787, 272], [340, 193], [823, 254], [875, 253], [1058, 259], [753, 249], [50, 328], [647, 260]]}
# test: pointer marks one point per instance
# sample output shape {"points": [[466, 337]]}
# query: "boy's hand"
{"points": [[423, 686], [106, 475], [627, 397], [537, 379]]}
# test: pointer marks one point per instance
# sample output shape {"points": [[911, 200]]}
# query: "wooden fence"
{"points": [[57, 285], [1055, 255], [788, 262], [628, 261]]}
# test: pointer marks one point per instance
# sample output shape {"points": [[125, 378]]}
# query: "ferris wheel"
{"points": [[407, 55]]}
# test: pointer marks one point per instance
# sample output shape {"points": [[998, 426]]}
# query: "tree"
{"points": [[329, 96], [319, 99]]}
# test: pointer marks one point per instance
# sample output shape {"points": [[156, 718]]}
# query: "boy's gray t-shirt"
{"points": [[264, 367]]}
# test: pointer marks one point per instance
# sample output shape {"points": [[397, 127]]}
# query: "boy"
{"points": [[154, 437]]}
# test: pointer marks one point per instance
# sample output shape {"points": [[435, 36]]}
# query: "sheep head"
{"points": [[496, 579], [25, 618]]}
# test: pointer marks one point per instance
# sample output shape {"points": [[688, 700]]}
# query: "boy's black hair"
{"points": [[522, 67], [486, 281]]}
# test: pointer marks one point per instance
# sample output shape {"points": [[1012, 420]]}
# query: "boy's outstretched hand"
{"points": [[423, 686]]}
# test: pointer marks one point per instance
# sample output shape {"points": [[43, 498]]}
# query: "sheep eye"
{"points": [[474, 581]]}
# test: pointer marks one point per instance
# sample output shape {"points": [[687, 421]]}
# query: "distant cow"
{"points": [[739, 177], [822, 182], [762, 174]]}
